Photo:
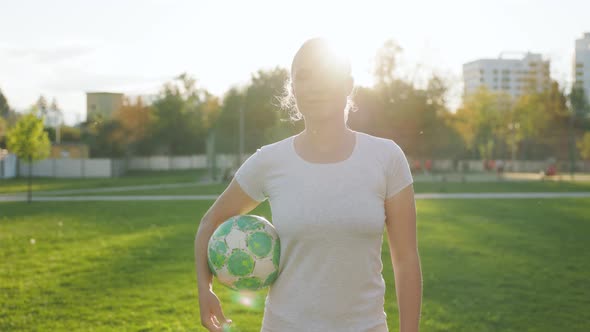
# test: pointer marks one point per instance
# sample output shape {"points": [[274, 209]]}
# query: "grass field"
{"points": [[8, 186], [488, 265], [16, 186], [420, 187], [44, 186]]}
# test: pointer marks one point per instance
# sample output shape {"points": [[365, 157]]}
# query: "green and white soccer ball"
{"points": [[243, 253]]}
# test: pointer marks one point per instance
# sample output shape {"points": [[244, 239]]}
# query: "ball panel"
{"points": [[218, 252], [224, 228], [248, 283], [263, 268], [249, 223], [259, 243], [225, 277], [236, 239], [271, 279], [240, 263]]}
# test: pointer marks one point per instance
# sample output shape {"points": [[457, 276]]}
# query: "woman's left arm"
{"points": [[400, 211]]}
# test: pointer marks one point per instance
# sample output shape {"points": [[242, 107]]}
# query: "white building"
{"points": [[146, 99], [582, 64], [513, 76]]}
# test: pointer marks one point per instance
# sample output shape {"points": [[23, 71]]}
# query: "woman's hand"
{"points": [[212, 316]]}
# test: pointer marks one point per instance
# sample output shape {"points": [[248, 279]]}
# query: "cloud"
{"points": [[76, 79], [46, 55]]}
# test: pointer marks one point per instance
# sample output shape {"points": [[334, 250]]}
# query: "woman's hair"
{"points": [[287, 98]]}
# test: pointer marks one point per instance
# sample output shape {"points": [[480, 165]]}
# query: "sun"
{"points": [[359, 53]]}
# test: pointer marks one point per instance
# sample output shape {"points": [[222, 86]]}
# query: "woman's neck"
{"points": [[325, 136]]}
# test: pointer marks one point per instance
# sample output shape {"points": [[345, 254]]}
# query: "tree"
{"points": [[556, 135], [173, 126], [28, 141], [227, 124], [584, 146], [182, 115], [262, 112], [483, 120], [136, 120], [530, 120], [42, 106], [4, 108], [3, 131], [264, 120], [56, 115], [580, 107], [386, 62]]}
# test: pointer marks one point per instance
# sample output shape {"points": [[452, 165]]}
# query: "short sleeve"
{"points": [[398, 171], [251, 176]]}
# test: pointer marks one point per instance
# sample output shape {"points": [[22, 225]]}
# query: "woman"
{"points": [[332, 191]]}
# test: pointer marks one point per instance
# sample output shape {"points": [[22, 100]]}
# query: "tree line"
{"points": [[488, 124]]}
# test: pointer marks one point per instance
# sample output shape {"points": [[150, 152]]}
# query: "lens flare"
{"points": [[249, 299]]}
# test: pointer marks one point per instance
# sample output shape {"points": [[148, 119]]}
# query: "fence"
{"points": [[10, 166], [74, 168], [525, 166], [7, 165]]}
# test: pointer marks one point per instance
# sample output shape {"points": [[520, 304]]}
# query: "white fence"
{"points": [[74, 168], [7, 166], [181, 162], [526, 166], [10, 166]]}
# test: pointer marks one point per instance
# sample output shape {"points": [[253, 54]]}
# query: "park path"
{"points": [[4, 197], [522, 195], [125, 188]]}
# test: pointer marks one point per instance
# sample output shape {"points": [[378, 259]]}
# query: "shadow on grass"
{"points": [[500, 265]]}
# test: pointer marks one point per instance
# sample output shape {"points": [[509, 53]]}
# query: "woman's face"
{"points": [[321, 82]]}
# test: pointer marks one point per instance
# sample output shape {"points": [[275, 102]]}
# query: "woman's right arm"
{"points": [[233, 201]]}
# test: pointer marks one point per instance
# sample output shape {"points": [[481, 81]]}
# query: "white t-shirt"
{"points": [[330, 219]]}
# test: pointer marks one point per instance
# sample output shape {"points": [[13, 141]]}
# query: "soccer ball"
{"points": [[243, 253]]}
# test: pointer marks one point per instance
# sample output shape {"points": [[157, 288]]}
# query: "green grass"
{"points": [[419, 187], [11, 186], [488, 265], [8, 186], [502, 186]]}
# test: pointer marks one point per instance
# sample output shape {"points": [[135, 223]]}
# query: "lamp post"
{"points": [[572, 144]]}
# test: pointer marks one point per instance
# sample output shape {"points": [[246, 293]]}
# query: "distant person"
{"points": [[417, 166], [500, 168], [332, 191], [428, 166], [551, 170]]}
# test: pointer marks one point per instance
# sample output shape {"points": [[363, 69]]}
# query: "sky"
{"points": [[64, 48]]}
